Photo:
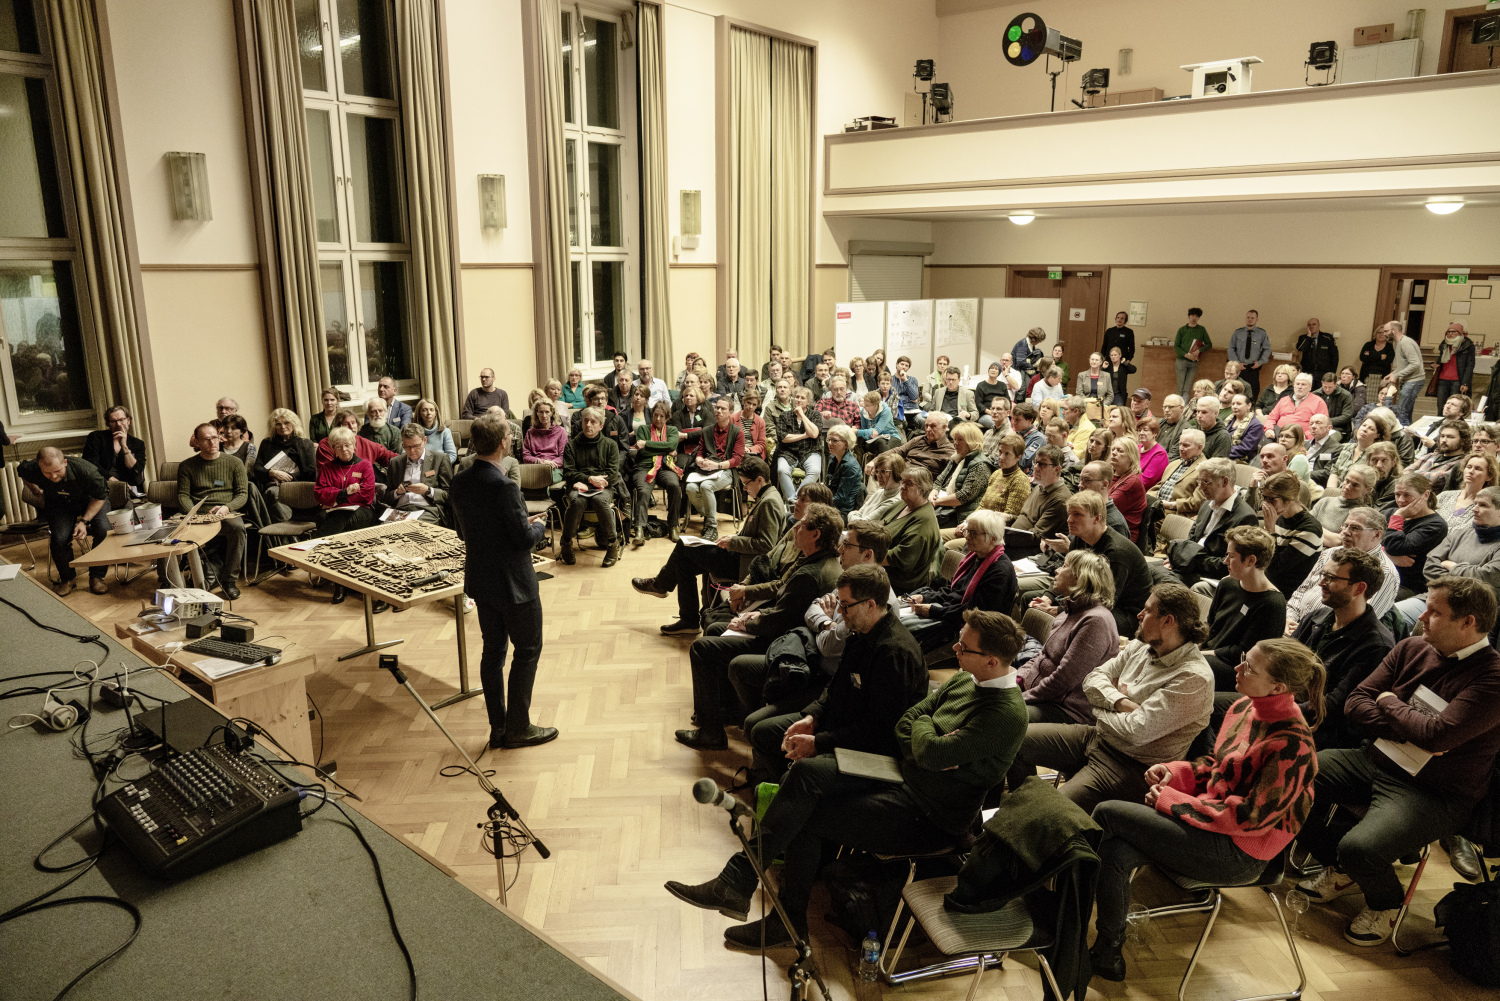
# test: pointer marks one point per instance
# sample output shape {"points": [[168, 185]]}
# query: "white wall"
{"points": [[1164, 35], [179, 89], [688, 71], [1389, 236]]}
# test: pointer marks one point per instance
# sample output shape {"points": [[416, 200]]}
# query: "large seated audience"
{"points": [[1234, 603]]}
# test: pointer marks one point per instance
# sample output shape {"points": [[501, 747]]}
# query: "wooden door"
{"points": [[1459, 53], [1085, 288]]}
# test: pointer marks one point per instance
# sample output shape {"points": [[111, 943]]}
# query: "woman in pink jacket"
{"points": [[1223, 817]]}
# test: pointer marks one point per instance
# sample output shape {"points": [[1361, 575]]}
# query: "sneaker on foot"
{"points": [[1371, 927], [648, 585], [1328, 885]]}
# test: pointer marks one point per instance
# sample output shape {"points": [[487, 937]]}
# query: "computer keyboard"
{"points": [[245, 653]]}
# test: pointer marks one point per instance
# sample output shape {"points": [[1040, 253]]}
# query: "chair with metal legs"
{"points": [[297, 495], [1213, 899]]}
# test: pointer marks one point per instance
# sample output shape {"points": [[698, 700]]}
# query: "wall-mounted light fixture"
{"points": [[187, 173], [691, 222], [491, 202], [1446, 206], [1021, 218]]}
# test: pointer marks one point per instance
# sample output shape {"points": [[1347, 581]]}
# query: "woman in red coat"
{"points": [[753, 424], [1127, 491], [345, 490]]}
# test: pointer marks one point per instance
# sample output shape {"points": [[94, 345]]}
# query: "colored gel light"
{"points": [[1014, 32]]}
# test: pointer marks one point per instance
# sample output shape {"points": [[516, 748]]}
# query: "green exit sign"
{"points": [[1057, 275], [1458, 279]]}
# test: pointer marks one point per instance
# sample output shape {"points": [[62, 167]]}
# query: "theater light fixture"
{"points": [[1444, 207], [1022, 218]]}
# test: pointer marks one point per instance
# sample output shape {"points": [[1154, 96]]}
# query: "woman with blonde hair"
{"points": [[1097, 450], [439, 438], [572, 392], [1371, 431], [1047, 411], [844, 477], [1281, 385], [545, 438], [883, 499], [1332, 509], [284, 437], [1083, 636], [960, 484], [1126, 489], [1120, 420], [1457, 506]]}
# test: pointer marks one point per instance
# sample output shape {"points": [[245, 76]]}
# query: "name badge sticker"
{"points": [[218, 483], [856, 680], [1244, 609]]}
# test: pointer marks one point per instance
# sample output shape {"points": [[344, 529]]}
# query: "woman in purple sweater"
{"points": [[1083, 636], [545, 440]]}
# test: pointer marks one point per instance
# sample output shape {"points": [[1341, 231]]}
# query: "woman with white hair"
{"points": [[572, 393], [845, 478], [985, 579]]}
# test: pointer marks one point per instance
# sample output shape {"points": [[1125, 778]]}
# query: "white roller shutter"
{"points": [[874, 277]]}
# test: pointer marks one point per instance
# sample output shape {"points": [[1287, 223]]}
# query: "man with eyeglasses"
{"points": [[1362, 530], [118, 455], [766, 723], [1045, 512], [952, 748], [1097, 476], [1347, 636], [221, 482]]}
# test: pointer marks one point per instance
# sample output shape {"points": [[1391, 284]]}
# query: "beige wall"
{"points": [[1164, 34], [1343, 299], [830, 286], [693, 293], [499, 331], [207, 341], [966, 283], [1483, 320]]}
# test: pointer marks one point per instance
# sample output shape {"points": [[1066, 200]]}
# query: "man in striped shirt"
{"points": [[1362, 530]]}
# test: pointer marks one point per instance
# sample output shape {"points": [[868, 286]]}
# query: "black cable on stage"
{"points": [[123, 905], [94, 639], [385, 898], [319, 713]]}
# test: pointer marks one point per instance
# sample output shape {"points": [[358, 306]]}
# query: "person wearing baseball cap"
{"points": [[1140, 402]]}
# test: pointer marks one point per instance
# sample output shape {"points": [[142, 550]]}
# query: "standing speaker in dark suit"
{"points": [[490, 516]]}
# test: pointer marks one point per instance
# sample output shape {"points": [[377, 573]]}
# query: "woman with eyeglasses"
{"points": [[1471, 550], [985, 579]]}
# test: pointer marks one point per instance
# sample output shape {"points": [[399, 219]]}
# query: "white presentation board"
{"points": [[956, 332], [858, 329], [1003, 322], [908, 331]]}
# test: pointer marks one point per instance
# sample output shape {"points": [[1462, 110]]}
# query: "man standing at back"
{"points": [[1250, 346], [490, 516], [1191, 341], [1317, 351], [1407, 370]]}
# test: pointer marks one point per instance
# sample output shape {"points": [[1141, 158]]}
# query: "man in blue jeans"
{"points": [[1407, 370]]}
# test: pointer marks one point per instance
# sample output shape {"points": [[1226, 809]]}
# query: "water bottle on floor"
{"points": [[869, 958]]}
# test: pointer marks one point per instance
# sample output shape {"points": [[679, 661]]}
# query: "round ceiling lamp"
{"points": [[1445, 207], [1022, 218]]}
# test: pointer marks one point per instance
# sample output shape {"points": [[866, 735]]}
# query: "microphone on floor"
{"points": [[708, 793]]}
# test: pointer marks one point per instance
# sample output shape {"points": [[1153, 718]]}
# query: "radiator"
{"points": [[10, 485]]}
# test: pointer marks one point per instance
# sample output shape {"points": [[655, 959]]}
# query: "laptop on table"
{"points": [[167, 533]]}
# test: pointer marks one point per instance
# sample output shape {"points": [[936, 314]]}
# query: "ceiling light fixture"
{"points": [[1022, 218], [1444, 208]]}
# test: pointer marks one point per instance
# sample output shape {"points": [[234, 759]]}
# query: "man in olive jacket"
{"points": [[810, 576], [731, 556], [915, 536]]}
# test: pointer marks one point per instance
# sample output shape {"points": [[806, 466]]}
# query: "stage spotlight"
{"points": [[942, 101], [1027, 39], [1322, 55], [926, 69]]}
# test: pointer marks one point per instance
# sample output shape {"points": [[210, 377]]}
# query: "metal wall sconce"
{"points": [[491, 202], [691, 222], [188, 176]]}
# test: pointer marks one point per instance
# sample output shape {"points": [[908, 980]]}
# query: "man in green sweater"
{"points": [[1187, 355], [953, 747], [219, 481]]}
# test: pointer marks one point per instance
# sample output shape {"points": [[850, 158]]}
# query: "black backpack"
{"points": [[1471, 916]]}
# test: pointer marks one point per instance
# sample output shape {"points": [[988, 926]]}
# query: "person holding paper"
{"points": [[1191, 341], [952, 748], [591, 476], [1430, 707], [418, 479]]}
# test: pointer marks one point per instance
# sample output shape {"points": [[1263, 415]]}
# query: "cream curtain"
{"points": [[93, 172], [656, 243], [791, 173], [554, 291], [749, 196], [434, 276], [282, 181]]}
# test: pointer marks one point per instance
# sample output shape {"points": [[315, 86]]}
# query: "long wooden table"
{"points": [[397, 597], [113, 551]]}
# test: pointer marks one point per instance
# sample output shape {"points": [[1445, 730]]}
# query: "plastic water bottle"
{"points": [[869, 958]]}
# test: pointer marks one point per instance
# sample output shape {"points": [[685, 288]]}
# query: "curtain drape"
{"points": [[749, 194], [791, 172], [656, 236], [281, 173], [92, 171], [424, 129], [554, 291]]}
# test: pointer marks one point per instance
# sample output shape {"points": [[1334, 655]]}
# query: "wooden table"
{"points": [[274, 697], [113, 551], [453, 588]]}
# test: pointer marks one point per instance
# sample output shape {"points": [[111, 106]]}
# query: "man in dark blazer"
{"points": [[490, 516], [115, 452], [419, 478], [1201, 555]]}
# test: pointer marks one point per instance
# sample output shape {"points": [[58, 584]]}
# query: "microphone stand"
{"points": [[500, 810], [802, 972]]}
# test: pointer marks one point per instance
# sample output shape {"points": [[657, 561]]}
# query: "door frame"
{"points": [[1391, 276], [1451, 18], [1094, 332]]}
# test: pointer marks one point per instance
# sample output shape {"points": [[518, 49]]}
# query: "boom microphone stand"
{"points": [[802, 972], [500, 811]]}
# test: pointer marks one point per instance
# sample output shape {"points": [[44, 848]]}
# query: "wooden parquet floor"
{"points": [[612, 799]]}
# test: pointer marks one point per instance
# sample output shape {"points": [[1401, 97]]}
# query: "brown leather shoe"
{"points": [[97, 585], [63, 588]]}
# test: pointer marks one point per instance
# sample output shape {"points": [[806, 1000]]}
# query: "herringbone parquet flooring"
{"points": [[612, 799]]}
